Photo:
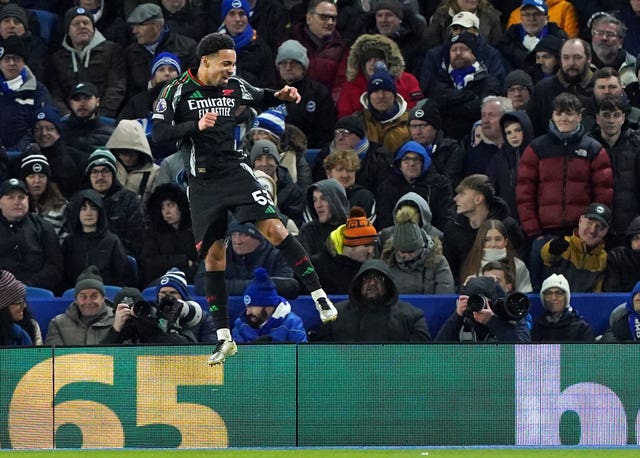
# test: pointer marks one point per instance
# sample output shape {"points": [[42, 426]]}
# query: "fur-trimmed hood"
{"points": [[430, 261], [369, 42]]}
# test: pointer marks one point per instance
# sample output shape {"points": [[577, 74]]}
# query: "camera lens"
{"points": [[476, 302]]}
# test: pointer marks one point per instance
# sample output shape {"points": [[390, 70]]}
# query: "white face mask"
{"points": [[494, 254]]}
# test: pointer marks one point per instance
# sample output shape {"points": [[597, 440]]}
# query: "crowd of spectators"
{"points": [[443, 140]]}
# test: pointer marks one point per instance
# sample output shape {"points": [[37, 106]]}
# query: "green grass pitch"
{"points": [[336, 453]]}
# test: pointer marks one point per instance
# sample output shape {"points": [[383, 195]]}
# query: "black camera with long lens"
{"points": [[185, 314], [513, 307]]}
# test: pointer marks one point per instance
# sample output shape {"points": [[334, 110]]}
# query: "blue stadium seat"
{"points": [[595, 308], [33, 292], [48, 24], [310, 156]]}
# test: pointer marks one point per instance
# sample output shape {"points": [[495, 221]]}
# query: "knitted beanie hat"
{"points": [[14, 45], [228, 5], [426, 110], [392, 5], [262, 148], [382, 80], [72, 13], [165, 58], [101, 156], [261, 292], [245, 228], [518, 77], [49, 113], [12, 290], [16, 11], [555, 281], [271, 121], [358, 230], [293, 50], [176, 279], [467, 39], [34, 163], [407, 234], [353, 124], [89, 279]]}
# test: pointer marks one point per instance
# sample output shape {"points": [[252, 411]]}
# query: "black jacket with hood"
{"points": [[360, 320], [165, 246], [101, 248], [503, 167], [313, 234]]}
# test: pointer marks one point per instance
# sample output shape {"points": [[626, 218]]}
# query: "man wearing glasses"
{"points": [[123, 207], [326, 49], [521, 38], [607, 35], [374, 313]]}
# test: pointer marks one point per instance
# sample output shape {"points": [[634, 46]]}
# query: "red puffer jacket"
{"points": [[558, 179]]}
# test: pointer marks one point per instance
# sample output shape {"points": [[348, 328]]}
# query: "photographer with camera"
{"points": [[483, 313], [139, 321], [174, 283]]}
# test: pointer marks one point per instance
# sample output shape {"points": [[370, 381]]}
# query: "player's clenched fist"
{"points": [[208, 120]]}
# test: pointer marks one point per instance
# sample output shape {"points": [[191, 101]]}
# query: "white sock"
{"points": [[224, 334]]}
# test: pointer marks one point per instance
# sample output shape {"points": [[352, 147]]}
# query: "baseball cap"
{"points": [[599, 212], [11, 184], [85, 88], [540, 5], [465, 19]]}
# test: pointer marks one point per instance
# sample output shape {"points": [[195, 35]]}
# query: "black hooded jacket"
{"points": [[503, 167], [165, 246], [101, 248], [359, 320]]}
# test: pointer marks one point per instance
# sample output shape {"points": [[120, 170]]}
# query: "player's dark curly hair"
{"points": [[214, 42]]}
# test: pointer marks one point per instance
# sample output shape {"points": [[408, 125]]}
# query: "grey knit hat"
{"points": [[518, 77], [90, 279], [12, 290], [293, 50], [264, 147], [407, 237]]}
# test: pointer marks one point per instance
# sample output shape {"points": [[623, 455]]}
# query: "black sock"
{"points": [[215, 290], [298, 259]]}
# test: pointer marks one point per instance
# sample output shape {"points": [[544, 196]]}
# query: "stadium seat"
{"points": [[310, 156], [48, 24], [33, 292]]}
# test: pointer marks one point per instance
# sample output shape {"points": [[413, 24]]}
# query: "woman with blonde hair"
{"points": [[492, 244]]}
